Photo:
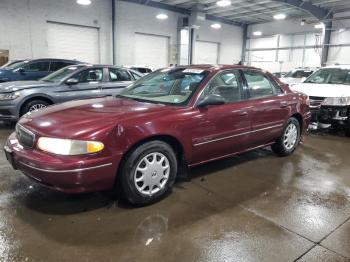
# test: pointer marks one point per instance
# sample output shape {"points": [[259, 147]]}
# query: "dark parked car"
{"points": [[69, 83], [168, 119], [32, 69]]}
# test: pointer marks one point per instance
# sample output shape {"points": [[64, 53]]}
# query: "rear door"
{"points": [[89, 85], [57, 65], [270, 107], [222, 129], [116, 80]]}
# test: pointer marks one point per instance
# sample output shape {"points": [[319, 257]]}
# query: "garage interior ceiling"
{"points": [[258, 11]]}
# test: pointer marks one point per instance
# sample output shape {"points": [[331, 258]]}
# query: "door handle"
{"points": [[284, 104], [243, 113]]}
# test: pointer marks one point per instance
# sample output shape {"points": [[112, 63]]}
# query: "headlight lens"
{"points": [[68, 147], [336, 101], [9, 96]]}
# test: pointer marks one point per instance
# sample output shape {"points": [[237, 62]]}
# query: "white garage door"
{"points": [[73, 42], [206, 52], [151, 50]]}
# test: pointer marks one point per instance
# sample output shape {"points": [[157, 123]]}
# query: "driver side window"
{"points": [[41, 66], [227, 85], [90, 75]]}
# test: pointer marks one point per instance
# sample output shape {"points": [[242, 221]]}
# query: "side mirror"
{"points": [[211, 100], [20, 70], [72, 81]]}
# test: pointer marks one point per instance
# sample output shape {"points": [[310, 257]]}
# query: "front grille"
{"points": [[25, 137], [329, 113], [316, 101]]}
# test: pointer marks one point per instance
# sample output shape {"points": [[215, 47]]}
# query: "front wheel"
{"points": [[148, 173], [34, 105], [287, 143]]}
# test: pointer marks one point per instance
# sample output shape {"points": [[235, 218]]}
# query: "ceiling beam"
{"points": [[318, 12], [183, 11]]}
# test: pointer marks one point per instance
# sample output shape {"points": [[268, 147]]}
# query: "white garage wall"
{"points": [[296, 45], [229, 37], [23, 24], [135, 18]]}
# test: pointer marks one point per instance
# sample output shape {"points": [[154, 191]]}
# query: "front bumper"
{"points": [[67, 174], [328, 116], [9, 112]]}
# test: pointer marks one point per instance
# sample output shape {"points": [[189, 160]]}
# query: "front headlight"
{"points": [[9, 96], [68, 147], [336, 101]]}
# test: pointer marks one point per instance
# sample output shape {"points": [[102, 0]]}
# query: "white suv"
{"points": [[297, 75], [329, 93]]}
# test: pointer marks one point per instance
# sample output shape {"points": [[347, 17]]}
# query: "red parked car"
{"points": [[138, 140]]}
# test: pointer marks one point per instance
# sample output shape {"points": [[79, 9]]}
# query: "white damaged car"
{"points": [[329, 93]]}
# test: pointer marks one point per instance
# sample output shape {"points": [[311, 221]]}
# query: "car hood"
{"points": [[85, 119], [322, 90], [20, 85], [290, 80]]}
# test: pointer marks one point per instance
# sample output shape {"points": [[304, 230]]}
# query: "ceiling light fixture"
{"points": [[162, 16], [84, 2], [223, 3], [319, 26], [279, 16], [257, 33], [216, 26]]}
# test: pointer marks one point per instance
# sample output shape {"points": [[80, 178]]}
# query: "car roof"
{"points": [[338, 66], [213, 68], [52, 59]]}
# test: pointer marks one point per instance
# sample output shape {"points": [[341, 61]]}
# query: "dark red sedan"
{"points": [[172, 117]]}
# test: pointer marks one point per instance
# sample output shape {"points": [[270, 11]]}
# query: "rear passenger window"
{"points": [[258, 85], [117, 74]]}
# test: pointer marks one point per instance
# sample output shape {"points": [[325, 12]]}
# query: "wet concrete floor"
{"points": [[254, 207]]}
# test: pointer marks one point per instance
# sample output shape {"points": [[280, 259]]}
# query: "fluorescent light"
{"points": [[257, 33], [84, 2], [216, 26], [319, 26], [223, 3], [279, 16], [162, 16]]}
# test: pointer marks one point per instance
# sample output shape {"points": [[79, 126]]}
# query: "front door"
{"points": [[34, 70], [88, 86], [221, 129]]}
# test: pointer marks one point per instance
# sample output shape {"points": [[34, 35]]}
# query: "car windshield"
{"points": [[61, 74], [168, 86], [15, 65], [330, 76]]}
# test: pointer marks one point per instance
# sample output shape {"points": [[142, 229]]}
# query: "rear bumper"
{"points": [[66, 174]]}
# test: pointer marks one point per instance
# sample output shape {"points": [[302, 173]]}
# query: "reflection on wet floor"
{"points": [[253, 207]]}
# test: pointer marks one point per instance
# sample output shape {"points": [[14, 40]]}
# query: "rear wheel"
{"points": [[148, 173], [34, 105], [287, 143]]}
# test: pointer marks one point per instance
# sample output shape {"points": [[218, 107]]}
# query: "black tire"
{"points": [[279, 146], [127, 174], [347, 128], [28, 105]]}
